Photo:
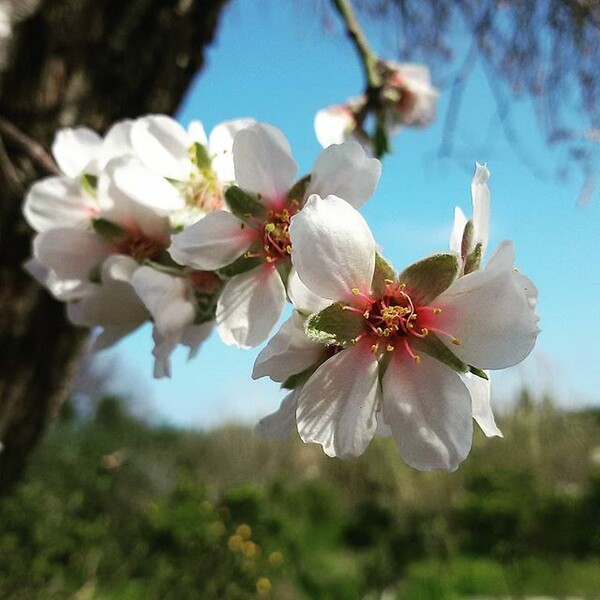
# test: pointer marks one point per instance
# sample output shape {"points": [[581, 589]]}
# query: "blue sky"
{"points": [[281, 65]]}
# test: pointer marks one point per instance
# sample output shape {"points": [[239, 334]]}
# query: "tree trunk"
{"points": [[70, 62]]}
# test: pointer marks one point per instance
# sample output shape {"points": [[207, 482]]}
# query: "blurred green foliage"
{"points": [[115, 509]]}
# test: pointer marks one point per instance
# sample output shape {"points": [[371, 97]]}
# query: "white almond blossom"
{"points": [[69, 199], [406, 98], [200, 167], [182, 309], [251, 244], [400, 342]]}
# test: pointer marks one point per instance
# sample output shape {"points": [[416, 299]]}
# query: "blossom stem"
{"points": [[367, 56]]}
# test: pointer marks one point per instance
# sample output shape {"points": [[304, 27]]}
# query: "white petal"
{"points": [[250, 306], [428, 409], [491, 316], [167, 298], [197, 133], [74, 149], [193, 336], [302, 298], [213, 242], [126, 205], [132, 181], [480, 389], [70, 253], [111, 305], [263, 163], [333, 248], [458, 230], [503, 257], [118, 268], [480, 194], [280, 424], [333, 125], [57, 202], [288, 352], [117, 142], [162, 144], [64, 290], [337, 405], [345, 171], [220, 147]]}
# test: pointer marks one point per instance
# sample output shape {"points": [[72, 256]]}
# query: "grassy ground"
{"points": [[113, 509]]}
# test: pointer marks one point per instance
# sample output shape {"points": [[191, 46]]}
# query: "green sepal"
{"points": [[383, 270], [467, 239], [473, 261], [206, 305], [242, 204], [240, 265], [334, 325], [171, 269], [434, 347], [284, 266], [108, 230], [381, 144], [201, 157], [294, 381], [89, 183], [478, 372], [428, 278], [298, 190]]}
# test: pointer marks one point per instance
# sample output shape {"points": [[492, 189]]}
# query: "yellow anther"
{"points": [[355, 291], [379, 331], [456, 341], [417, 358], [424, 330], [390, 348], [374, 348], [413, 317], [401, 287], [288, 249], [269, 259], [270, 227], [409, 325], [388, 281], [366, 314], [437, 311], [386, 332]]}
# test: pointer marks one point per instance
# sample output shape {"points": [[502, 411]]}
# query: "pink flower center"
{"points": [[276, 234], [141, 247], [395, 320]]}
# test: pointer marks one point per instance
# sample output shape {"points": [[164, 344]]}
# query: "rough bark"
{"points": [[88, 62]]}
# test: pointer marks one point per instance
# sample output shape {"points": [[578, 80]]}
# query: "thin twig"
{"points": [[11, 177], [34, 150], [367, 57]]}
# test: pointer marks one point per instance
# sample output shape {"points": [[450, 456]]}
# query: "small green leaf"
{"points": [[240, 265], [89, 183], [201, 156], [429, 277], [294, 381], [298, 190], [383, 271], [473, 260], [108, 230], [434, 347], [335, 325], [242, 204], [381, 144], [479, 372]]}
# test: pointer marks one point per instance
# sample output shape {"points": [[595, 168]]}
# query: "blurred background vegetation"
{"points": [[112, 507]]}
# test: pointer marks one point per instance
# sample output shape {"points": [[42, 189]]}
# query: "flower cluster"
{"points": [[156, 223], [153, 222], [406, 97]]}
